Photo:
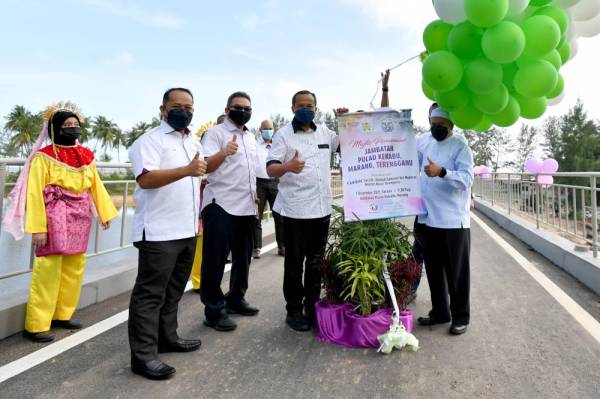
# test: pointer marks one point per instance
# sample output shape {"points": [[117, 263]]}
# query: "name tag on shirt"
{"points": [[323, 146]]}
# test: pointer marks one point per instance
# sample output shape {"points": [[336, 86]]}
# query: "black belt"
{"points": [[267, 180]]}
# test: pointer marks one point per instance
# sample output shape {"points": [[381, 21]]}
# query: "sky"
{"points": [[116, 58]]}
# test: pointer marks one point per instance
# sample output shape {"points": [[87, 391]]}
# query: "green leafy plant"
{"points": [[353, 263]]}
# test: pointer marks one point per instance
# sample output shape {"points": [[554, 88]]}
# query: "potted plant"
{"points": [[355, 310]]}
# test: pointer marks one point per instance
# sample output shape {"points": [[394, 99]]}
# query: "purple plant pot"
{"points": [[407, 318], [339, 324]]}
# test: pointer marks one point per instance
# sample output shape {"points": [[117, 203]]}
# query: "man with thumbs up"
{"points": [[300, 156], [446, 163], [228, 214], [168, 163]]}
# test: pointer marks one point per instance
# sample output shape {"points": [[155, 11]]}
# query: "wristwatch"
{"points": [[443, 172]]}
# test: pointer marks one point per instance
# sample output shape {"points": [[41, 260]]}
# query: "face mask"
{"points": [[179, 118], [71, 132], [239, 117], [439, 132], [267, 134], [305, 115]]}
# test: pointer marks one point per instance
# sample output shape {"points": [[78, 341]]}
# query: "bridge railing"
{"points": [[570, 210], [121, 191]]}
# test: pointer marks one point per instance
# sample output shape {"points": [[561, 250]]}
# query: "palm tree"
{"points": [[104, 131], [119, 140], [139, 129], [25, 127]]}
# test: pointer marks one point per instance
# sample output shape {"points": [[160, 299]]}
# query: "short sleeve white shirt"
{"points": [[262, 152], [170, 212], [306, 195], [233, 184]]}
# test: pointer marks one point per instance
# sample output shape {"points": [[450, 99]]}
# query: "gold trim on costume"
{"points": [[83, 167]]}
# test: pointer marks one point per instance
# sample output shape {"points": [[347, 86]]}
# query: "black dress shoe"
{"points": [[44, 336], [297, 322], [153, 370], [196, 290], [181, 345], [222, 324], [72, 324], [430, 321], [281, 251], [457, 329], [242, 308]]}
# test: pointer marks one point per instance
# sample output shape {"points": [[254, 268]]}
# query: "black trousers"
{"points": [[223, 233], [305, 241], [447, 263], [266, 191], [418, 250], [163, 271]]}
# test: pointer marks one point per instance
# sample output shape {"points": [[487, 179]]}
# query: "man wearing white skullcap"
{"points": [[446, 164]]}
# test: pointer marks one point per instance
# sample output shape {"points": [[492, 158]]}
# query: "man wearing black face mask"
{"points": [[228, 214], [447, 175], [168, 163], [300, 156]]}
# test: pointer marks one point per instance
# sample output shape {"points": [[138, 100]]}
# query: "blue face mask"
{"points": [[267, 134], [305, 115]]}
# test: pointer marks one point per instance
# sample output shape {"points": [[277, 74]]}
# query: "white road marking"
{"points": [[48, 352], [591, 325]]}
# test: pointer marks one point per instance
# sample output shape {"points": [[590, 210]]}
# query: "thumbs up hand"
{"points": [[197, 167], [432, 169], [295, 165], [231, 147]]}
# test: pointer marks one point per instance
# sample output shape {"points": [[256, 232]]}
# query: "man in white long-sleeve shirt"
{"points": [[446, 163]]}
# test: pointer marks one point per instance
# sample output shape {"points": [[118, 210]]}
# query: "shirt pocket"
{"points": [[174, 156]]}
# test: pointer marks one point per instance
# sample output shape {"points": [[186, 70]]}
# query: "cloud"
{"points": [[137, 13], [405, 15], [121, 59]]}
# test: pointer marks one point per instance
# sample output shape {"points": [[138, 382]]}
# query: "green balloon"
{"points": [[509, 115], [531, 107], [557, 14], [465, 40], [539, 3], [565, 52], [442, 71], [492, 103], [503, 43], [484, 125], [467, 117], [558, 89], [508, 75], [486, 13], [563, 40], [553, 57], [482, 76], [542, 34], [453, 99], [428, 91], [535, 79], [435, 36]]}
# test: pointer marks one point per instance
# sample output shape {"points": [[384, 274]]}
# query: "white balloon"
{"points": [[589, 28], [574, 46], [451, 11], [564, 3], [571, 29], [585, 10], [557, 100], [516, 7]]}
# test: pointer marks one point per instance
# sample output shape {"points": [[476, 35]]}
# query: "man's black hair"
{"points": [[168, 93], [302, 92], [236, 95]]}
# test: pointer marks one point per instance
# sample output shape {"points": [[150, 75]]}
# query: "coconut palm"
{"points": [[138, 129], [104, 131], [25, 127]]}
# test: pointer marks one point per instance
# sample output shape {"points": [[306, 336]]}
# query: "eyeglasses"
{"points": [[240, 108]]}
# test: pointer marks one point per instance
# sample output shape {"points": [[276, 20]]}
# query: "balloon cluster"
{"points": [[483, 171], [536, 166], [490, 62]]}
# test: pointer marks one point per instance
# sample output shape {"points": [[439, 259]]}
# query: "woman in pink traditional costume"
{"points": [[55, 194]]}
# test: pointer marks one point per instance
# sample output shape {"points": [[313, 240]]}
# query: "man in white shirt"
{"points": [[168, 163], [446, 162], [228, 214], [266, 190], [300, 156]]}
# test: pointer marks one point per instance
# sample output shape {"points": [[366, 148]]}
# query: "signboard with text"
{"points": [[380, 168]]}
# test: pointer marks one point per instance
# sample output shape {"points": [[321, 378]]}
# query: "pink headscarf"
{"points": [[14, 220]]}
